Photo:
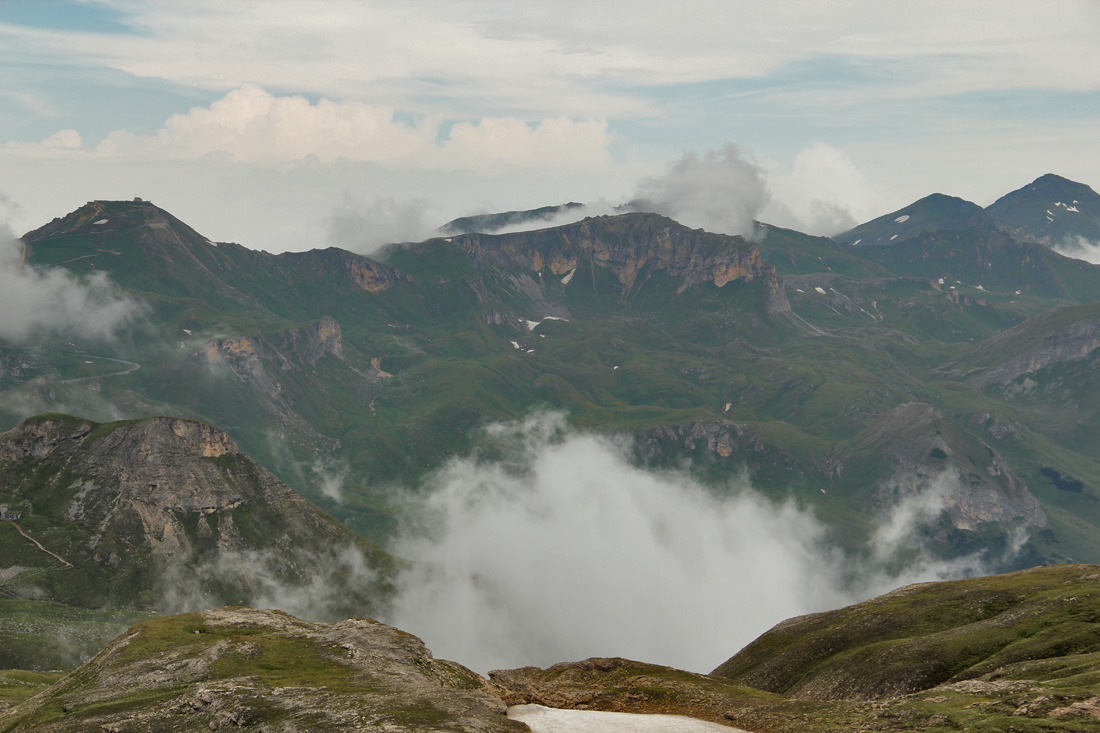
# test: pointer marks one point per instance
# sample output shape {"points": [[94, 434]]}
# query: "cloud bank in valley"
{"points": [[36, 302], [563, 550]]}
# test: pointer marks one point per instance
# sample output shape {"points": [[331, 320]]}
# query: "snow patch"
{"points": [[979, 287], [857, 241], [101, 221], [901, 219], [801, 290], [569, 276], [555, 720], [820, 290], [941, 281], [513, 343], [555, 318], [531, 324], [893, 238]]}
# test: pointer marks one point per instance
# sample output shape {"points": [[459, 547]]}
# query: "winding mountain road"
{"points": [[134, 366]]}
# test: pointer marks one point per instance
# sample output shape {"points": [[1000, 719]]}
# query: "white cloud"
{"points": [[823, 194], [563, 550], [719, 191], [365, 227], [45, 301], [1079, 248], [560, 58], [249, 125]]}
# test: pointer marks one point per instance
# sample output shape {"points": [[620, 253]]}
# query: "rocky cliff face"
{"points": [[631, 246], [243, 668]]}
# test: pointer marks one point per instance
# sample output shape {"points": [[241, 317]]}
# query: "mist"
{"points": [[364, 227], [1079, 248], [719, 191], [560, 549], [46, 301]]}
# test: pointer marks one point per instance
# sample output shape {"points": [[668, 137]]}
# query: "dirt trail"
{"points": [[39, 544]]}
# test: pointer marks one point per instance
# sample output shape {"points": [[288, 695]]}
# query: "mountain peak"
{"points": [[1053, 209], [934, 212]]}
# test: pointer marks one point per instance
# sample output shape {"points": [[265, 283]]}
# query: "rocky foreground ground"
{"points": [[1016, 652]]}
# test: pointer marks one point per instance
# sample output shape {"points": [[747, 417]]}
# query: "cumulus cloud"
{"points": [[364, 227], [824, 193], [719, 191], [1079, 248], [34, 302], [250, 125], [561, 549]]}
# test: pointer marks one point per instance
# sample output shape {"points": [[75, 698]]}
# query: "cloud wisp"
{"points": [[1079, 248], [561, 549]]}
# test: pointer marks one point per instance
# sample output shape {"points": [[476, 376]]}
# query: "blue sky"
{"points": [[293, 110]]}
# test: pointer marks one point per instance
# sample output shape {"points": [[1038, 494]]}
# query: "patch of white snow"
{"points": [[188, 332], [893, 238], [901, 219], [820, 290], [801, 290], [531, 324], [857, 241], [555, 318], [513, 343], [554, 720], [101, 221], [979, 287], [569, 276]]}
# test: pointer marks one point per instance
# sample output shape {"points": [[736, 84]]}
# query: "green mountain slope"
{"points": [[1052, 209], [1037, 625], [345, 374], [931, 213]]}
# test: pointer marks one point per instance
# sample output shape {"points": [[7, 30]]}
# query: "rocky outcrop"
{"points": [[631, 246], [289, 349], [1076, 341], [39, 437], [146, 496], [243, 668], [978, 484]]}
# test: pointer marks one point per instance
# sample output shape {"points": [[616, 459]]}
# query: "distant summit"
{"points": [[931, 213], [1052, 209], [490, 223]]}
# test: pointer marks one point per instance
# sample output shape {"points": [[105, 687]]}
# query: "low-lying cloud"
{"points": [[561, 549], [1079, 248], [47, 301], [719, 191], [338, 583]]}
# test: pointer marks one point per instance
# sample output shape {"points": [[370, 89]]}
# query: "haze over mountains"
{"points": [[912, 410]]}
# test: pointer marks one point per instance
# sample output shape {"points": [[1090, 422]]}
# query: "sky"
{"points": [[293, 125]]}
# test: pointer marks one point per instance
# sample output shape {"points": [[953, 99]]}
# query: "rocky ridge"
{"points": [[631, 246]]}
